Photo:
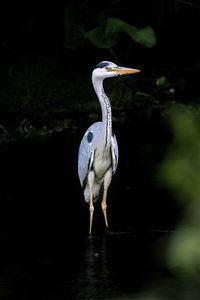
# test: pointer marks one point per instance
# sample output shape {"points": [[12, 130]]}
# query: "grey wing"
{"points": [[114, 153], [85, 157]]}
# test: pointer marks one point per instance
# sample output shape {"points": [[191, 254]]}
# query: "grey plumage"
{"points": [[98, 151], [88, 152]]}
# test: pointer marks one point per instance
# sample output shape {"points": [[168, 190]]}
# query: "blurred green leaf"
{"points": [[107, 36], [181, 169], [161, 81], [99, 39], [146, 36], [184, 254], [180, 172]]}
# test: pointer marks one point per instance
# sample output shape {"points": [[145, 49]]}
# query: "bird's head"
{"points": [[107, 69]]}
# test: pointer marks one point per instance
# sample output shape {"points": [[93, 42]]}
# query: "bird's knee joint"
{"points": [[91, 208], [103, 206]]}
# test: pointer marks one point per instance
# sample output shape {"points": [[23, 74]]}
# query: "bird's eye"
{"points": [[108, 69]]}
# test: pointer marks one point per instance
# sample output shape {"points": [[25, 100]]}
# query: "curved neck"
{"points": [[106, 110]]}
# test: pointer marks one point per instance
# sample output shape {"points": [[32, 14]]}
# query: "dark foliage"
{"points": [[49, 50]]}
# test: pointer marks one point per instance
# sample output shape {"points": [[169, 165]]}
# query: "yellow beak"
{"points": [[122, 70]]}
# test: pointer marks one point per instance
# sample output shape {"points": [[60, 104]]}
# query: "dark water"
{"points": [[117, 264], [45, 249]]}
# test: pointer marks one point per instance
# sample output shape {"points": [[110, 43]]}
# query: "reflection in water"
{"points": [[95, 281]]}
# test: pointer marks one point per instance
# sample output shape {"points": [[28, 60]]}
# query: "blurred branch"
{"points": [[188, 3]]}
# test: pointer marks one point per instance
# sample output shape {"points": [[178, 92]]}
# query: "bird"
{"points": [[98, 151]]}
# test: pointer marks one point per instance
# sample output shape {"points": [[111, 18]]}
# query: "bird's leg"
{"points": [[104, 206], [91, 208], [107, 180]]}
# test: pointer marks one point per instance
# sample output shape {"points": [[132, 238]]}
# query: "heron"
{"points": [[98, 152]]}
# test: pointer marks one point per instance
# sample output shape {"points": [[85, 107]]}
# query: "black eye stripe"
{"points": [[102, 65]]}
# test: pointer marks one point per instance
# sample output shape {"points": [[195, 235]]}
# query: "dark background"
{"points": [[38, 31], [47, 102]]}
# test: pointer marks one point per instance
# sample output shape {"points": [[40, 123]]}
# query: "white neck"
{"points": [[106, 110]]}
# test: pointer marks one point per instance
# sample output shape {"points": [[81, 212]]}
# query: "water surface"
{"points": [[46, 252]]}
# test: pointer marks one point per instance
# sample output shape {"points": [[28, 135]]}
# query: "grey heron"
{"points": [[98, 151]]}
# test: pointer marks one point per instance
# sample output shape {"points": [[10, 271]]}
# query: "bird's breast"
{"points": [[102, 162]]}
